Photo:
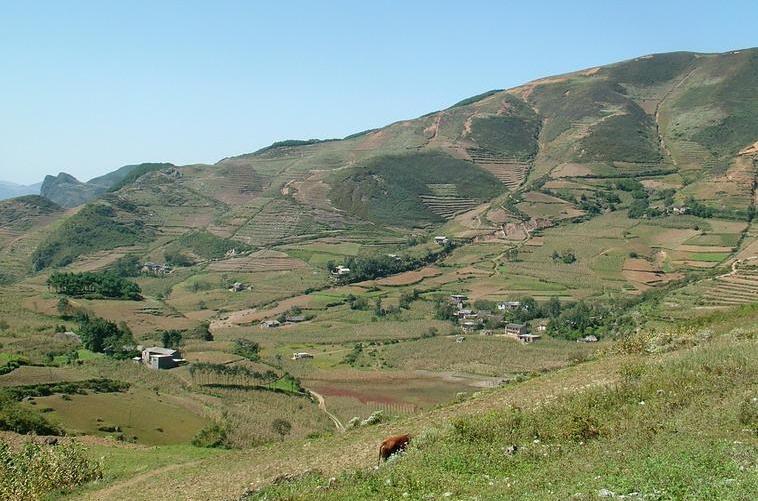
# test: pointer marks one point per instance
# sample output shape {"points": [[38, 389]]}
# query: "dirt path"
{"points": [[322, 405], [109, 491]]}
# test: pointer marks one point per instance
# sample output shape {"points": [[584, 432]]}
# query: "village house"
{"points": [[238, 287], [68, 336], [470, 325], [441, 240], [508, 305], [458, 299], [528, 338], [340, 271], [294, 319], [465, 314], [155, 268], [542, 327], [516, 330], [268, 324], [161, 358], [301, 356], [460, 339]]}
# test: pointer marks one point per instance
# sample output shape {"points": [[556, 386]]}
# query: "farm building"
{"points": [[516, 329], [68, 336], [155, 268], [464, 313], [441, 240], [340, 271], [295, 319], [587, 339], [460, 339], [458, 299], [268, 324], [301, 356], [528, 338], [161, 358], [238, 287], [470, 325], [508, 305]]}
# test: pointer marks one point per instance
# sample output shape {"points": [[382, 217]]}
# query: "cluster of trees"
{"points": [[177, 259], [127, 266], [174, 338], [105, 284], [171, 339], [103, 336], [231, 375], [567, 256], [372, 267]]}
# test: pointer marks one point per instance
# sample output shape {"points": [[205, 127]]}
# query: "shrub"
{"points": [[213, 435], [281, 427], [36, 471], [247, 349]]}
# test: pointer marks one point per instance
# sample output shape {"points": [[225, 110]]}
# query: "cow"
{"points": [[392, 445]]}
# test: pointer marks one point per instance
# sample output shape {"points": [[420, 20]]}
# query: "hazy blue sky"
{"points": [[86, 87]]}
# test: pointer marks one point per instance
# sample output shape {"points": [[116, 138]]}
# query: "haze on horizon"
{"points": [[89, 87]]}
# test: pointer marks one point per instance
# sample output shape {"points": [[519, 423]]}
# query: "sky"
{"points": [[89, 86]]}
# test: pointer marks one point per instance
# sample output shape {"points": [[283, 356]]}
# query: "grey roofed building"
{"points": [[156, 357], [516, 329]]}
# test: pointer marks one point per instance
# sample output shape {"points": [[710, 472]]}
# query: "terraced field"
{"points": [[446, 202], [509, 171], [738, 287], [264, 260]]}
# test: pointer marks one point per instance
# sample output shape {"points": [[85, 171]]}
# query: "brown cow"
{"points": [[392, 445]]}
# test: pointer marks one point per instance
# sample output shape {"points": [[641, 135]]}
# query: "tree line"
{"points": [[106, 284], [378, 266]]}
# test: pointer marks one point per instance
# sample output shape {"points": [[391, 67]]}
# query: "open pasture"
{"points": [[139, 414]]}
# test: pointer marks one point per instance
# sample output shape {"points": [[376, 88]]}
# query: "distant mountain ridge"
{"points": [[67, 191], [12, 190], [645, 136]]}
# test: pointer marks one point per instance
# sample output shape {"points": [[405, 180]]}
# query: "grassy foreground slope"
{"points": [[667, 415]]}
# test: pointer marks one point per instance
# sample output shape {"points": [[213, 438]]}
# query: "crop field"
{"points": [[496, 356], [277, 220], [28, 374], [410, 277], [511, 174], [264, 260], [250, 414], [140, 415]]}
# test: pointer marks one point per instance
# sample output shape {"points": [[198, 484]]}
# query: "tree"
{"points": [[552, 308], [127, 266], [281, 427], [568, 256], [511, 254], [378, 310], [201, 331], [171, 338], [102, 336]]}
